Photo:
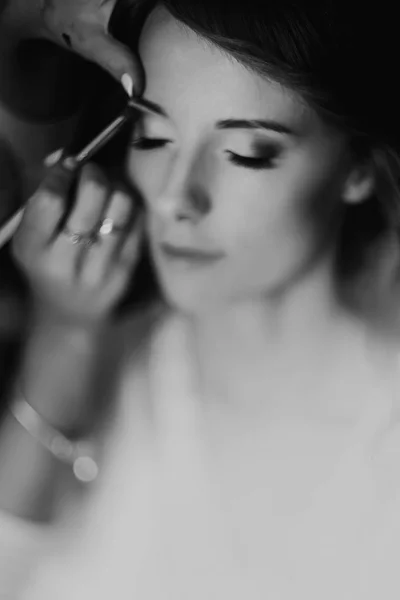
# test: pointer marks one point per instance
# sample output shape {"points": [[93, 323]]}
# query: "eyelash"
{"points": [[143, 143], [261, 162], [253, 162]]}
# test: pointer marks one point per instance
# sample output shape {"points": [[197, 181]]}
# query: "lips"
{"points": [[190, 254]]}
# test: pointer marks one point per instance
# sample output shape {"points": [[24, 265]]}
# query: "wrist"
{"points": [[57, 371], [45, 320], [79, 454]]}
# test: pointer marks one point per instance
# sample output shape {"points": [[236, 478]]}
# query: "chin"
{"points": [[190, 295], [188, 301], [188, 289]]}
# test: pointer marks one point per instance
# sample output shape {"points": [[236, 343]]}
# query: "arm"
{"points": [[72, 309], [57, 374], [32, 482]]}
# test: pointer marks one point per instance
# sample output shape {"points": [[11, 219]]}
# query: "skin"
{"points": [[270, 225], [268, 305]]}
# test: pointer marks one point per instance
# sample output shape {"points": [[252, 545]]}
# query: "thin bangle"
{"points": [[79, 455]]}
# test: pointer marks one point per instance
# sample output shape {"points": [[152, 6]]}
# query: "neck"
{"points": [[252, 350]]}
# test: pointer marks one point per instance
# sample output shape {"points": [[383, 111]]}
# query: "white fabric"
{"points": [[159, 527], [21, 545]]}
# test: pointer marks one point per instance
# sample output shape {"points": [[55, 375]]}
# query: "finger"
{"points": [[112, 233], [53, 158], [44, 211], [58, 180], [74, 235], [130, 249], [114, 57], [129, 256], [90, 201]]}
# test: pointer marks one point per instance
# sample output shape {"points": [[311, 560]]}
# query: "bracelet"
{"points": [[79, 455]]}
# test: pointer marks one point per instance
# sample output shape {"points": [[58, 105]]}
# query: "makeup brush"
{"points": [[73, 163], [77, 161]]}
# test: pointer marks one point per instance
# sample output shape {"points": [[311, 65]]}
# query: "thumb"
{"points": [[115, 58]]}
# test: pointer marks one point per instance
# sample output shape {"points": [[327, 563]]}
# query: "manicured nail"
{"points": [[127, 84], [69, 163], [53, 158]]}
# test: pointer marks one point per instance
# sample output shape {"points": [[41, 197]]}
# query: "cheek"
{"points": [[268, 225], [258, 210], [147, 175], [277, 209], [300, 200]]}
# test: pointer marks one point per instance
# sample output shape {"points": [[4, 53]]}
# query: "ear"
{"points": [[359, 184]]}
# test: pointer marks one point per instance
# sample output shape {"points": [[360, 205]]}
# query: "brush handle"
{"points": [[8, 230], [100, 140], [74, 162]]}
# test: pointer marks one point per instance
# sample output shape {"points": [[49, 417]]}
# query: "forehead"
{"points": [[185, 73]]}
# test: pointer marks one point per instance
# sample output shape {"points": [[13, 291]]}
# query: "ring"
{"points": [[84, 239], [108, 226]]}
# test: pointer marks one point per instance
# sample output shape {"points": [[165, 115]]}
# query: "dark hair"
{"points": [[340, 56], [326, 50]]}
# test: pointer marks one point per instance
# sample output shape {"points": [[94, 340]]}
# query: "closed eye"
{"points": [[143, 143], [266, 161]]}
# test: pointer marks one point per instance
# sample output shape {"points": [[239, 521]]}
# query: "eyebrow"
{"points": [[267, 124], [156, 108]]}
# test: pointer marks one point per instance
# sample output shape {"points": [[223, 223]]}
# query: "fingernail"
{"points": [[53, 158], [69, 163], [127, 84]]}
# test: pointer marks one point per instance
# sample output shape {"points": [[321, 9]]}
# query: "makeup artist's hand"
{"points": [[82, 26], [76, 271]]}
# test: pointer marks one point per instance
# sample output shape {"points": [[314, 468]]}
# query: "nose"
{"points": [[185, 194]]}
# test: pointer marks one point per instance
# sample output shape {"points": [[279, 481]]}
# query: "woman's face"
{"points": [[241, 181]]}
